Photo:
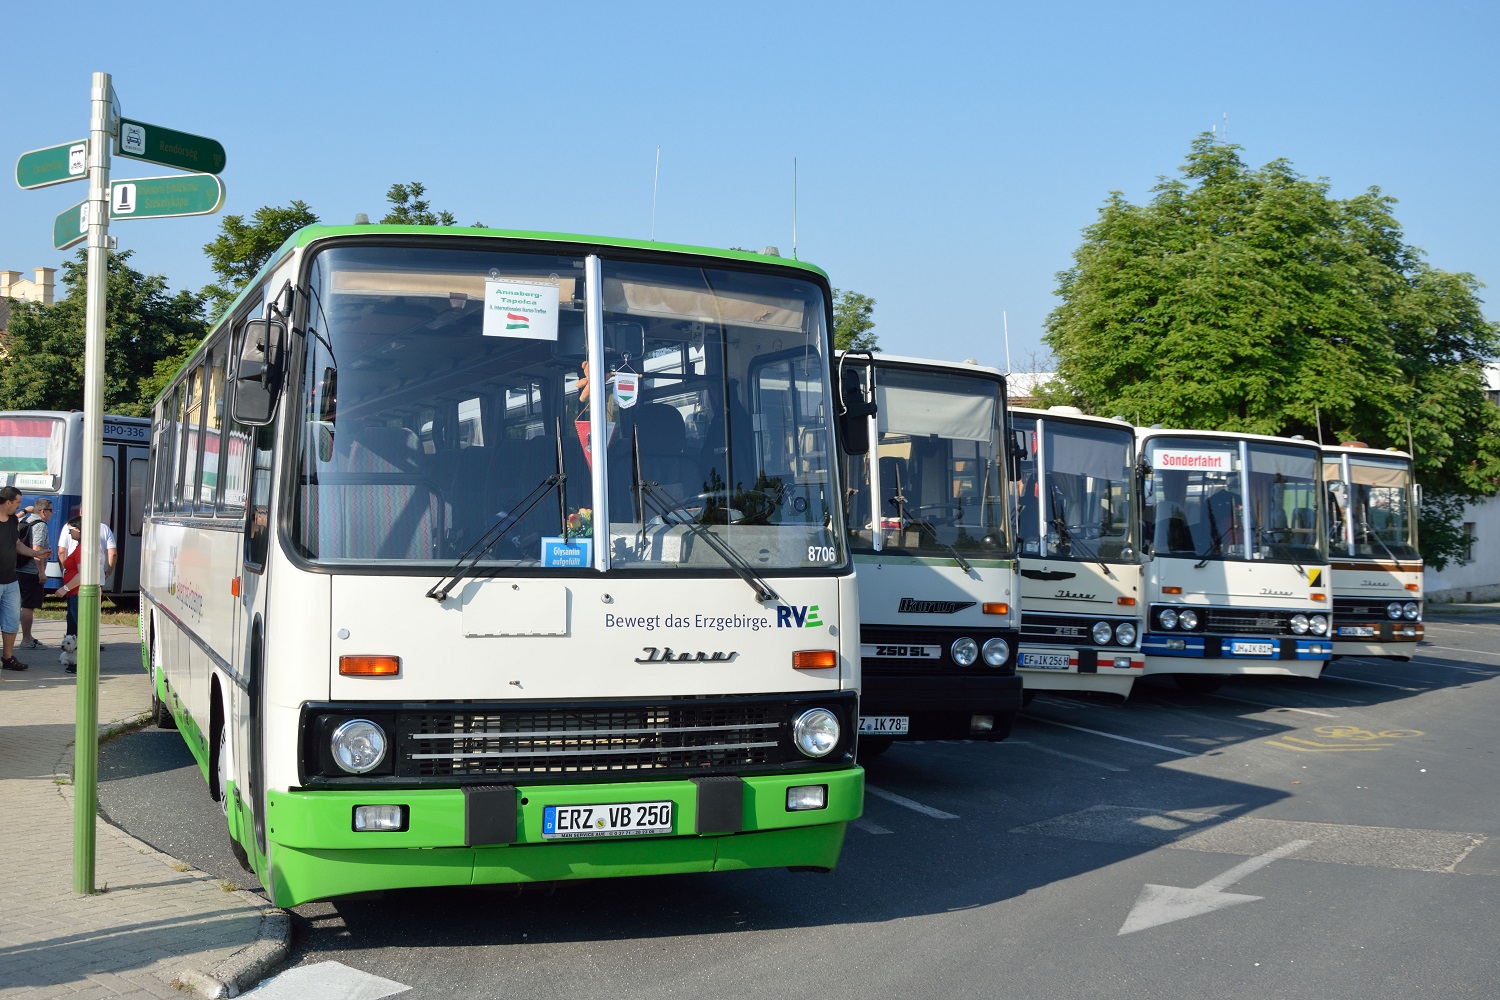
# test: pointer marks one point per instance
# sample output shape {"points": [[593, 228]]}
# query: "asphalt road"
{"points": [[1326, 839]]}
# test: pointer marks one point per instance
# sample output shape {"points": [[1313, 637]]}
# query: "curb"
{"points": [[248, 966]]}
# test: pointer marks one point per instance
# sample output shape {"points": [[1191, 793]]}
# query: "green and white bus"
{"points": [[928, 521], [1372, 541], [1237, 575], [1078, 531], [532, 564]]}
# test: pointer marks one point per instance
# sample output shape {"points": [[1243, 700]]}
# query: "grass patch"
{"points": [[112, 610]]}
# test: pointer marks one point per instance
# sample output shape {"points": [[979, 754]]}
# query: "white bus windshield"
{"points": [[1074, 486], [941, 478], [446, 389], [1372, 516], [1219, 498]]}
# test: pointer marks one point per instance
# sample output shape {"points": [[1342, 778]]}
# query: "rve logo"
{"points": [[804, 617]]}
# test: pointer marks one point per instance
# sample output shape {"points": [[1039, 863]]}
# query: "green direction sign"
{"points": [[164, 197], [71, 227], [53, 165], [141, 141]]}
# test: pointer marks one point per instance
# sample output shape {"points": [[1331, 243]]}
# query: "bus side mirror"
{"points": [[258, 371], [855, 412]]}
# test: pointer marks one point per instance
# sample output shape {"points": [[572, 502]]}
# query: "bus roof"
{"points": [[1074, 415], [958, 367], [1142, 433]]}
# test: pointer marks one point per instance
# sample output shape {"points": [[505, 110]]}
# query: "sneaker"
{"points": [[11, 663], [33, 643], [71, 668]]}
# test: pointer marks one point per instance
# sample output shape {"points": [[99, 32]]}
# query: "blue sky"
{"points": [[947, 156]]}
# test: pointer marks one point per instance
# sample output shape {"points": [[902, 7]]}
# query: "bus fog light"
{"points": [[1125, 633], [1318, 624], [996, 652], [1177, 644], [391, 819], [965, 651], [1299, 623], [981, 723], [1102, 633], [1122, 662], [358, 746], [1188, 617], [800, 798], [816, 732]]}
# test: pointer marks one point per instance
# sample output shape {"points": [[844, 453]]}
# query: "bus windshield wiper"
{"points": [[1381, 542], [1061, 524], [898, 499], [664, 505]]}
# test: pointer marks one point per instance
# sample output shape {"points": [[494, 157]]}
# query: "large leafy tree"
{"points": [[241, 247], [853, 321], [1250, 300], [44, 349]]}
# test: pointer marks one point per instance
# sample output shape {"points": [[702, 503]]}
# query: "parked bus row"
{"points": [[484, 557]]}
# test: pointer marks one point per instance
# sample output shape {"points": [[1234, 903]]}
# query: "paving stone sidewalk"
{"points": [[154, 927]]}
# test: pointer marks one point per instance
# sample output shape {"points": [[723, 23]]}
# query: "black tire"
{"points": [[1199, 683], [874, 746], [161, 715]]}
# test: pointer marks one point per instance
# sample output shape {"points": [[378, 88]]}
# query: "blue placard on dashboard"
{"points": [[568, 552]]}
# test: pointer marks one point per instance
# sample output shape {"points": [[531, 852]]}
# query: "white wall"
{"points": [[1480, 579]]}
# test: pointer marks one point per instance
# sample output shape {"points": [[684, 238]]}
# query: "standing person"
{"points": [[31, 573], [10, 591], [107, 553], [72, 577]]}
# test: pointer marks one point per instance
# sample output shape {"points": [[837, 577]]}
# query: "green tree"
{"points": [[409, 208], [1250, 300], [143, 324], [853, 321], [241, 247]]}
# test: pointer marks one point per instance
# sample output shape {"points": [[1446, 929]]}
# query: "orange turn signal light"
{"points": [[369, 666], [1318, 597], [1126, 602], [1413, 586], [814, 659], [991, 608], [1171, 590]]}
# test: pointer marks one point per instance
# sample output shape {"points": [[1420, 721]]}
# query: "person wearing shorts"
{"points": [[10, 591]]}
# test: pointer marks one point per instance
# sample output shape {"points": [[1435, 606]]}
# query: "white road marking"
{"points": [[325, 981], [1081, 760], [902, 800], [1112, 736], [870, 827], [1279, 708], [1356, 680], [1162, 904]]}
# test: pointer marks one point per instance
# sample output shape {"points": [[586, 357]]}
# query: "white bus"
{"points": [[525, 561], [1081, 573], [1237, 577], [1377, 570], [938, 594], [41, 454]]}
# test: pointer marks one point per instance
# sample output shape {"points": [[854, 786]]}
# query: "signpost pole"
{"points": [[86, 734]]}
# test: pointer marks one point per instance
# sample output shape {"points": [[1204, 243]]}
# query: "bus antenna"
{"points": [[654, 180], [794, 208], [1005, 325], [1318, 422]]}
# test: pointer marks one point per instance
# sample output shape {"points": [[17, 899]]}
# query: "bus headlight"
{"points": [[1168, 618], [816, 732], [1299, 623], [965, 651], [1189, 618], [1318, 624], [1125, 633], [1393, 609], [1411, 610], [1102, 633], [996, 652], [358, 746]]}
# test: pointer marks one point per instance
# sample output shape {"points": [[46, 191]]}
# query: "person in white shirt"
{"points": [[107, 556]]}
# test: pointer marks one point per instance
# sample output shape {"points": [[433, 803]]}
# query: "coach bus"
{"points": [[41, 454], [1081, 574], [1237, 575], [1372, 539], [938, 594], [531, 564]]}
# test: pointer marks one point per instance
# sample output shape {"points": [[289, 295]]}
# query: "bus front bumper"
{"points": [[454, 837]]}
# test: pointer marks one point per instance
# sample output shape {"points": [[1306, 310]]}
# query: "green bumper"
{"points": [[315, 852]]}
